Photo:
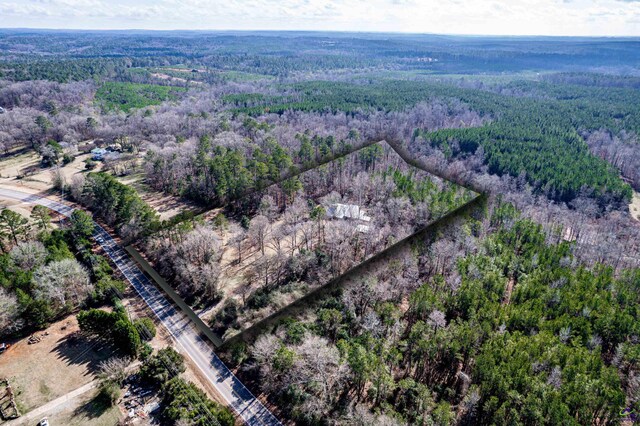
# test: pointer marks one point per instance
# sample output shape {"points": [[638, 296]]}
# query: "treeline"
{"points": [[593, 79], [519, 334], [219, 174], [555, 161], [117, 204], [64, 70], [213, 174], [286, 54], [182, 400]]}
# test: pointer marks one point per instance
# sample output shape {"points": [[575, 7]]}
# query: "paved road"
{"points": [[237, 396]]}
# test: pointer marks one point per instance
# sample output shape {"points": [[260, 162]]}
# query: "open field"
{"points": [[13, 166], [24, 170], [60, 363], [12, 173], [167, 206]]}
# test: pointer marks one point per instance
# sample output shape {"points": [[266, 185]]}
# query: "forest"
{"points": [[251, 169], [48, 272], [526, 128], [510, 331]]}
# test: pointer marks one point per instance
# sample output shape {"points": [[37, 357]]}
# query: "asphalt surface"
{"points": [[237, 396]]}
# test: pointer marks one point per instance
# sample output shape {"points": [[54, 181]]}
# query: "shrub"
{"points": [[145, 351], [96, 321], [107, 289], [259, 299], [90, 164], [184, 400], [66, 159], [114, 326], [126, 337], [227, 317], [146, 328], [161, 367]]}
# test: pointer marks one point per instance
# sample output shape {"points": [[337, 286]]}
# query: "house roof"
{"points": [[347, 211]]}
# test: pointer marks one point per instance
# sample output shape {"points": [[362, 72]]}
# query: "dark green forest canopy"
{"points": [[127, 96], [534, 129], [62, 70]]}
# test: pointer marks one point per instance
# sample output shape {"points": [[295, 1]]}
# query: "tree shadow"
{"points": [[80, 349], [93, 408]]}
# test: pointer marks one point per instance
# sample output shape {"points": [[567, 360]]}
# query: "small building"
{"points": [[347, 211], [97, 154]]}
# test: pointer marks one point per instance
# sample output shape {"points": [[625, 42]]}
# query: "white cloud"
{"points": [[517, 17]]}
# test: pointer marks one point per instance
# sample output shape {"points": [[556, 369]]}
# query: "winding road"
{"points": [[238, 397]]}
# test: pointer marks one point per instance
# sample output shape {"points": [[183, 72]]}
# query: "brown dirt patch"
{"points": [[61, 362]]}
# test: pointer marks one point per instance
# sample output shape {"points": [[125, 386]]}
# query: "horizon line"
{"points": [[398, 33]]}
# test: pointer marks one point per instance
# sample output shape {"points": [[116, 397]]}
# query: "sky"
{"points": [[480, 17]]}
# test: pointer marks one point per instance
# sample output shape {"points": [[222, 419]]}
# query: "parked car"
{"points": [[4, 347], [44, 422]]}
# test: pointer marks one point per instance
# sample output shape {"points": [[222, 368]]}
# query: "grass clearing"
{"points": [[128, 96], [167, 206], [85, 410]]}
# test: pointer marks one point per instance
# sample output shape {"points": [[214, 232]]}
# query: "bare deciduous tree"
{"points": [[63, 282], [258, 229], [28, 255], [9, 312]]}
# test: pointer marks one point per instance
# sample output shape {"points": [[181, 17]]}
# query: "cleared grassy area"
{"points": [[128, 96], [167, 206]]}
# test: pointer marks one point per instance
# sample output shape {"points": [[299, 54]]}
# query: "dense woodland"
{"points": [[524, 312], [500, 326]]}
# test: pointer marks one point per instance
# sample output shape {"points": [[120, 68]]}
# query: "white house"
{"points": [[347, 211]]}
